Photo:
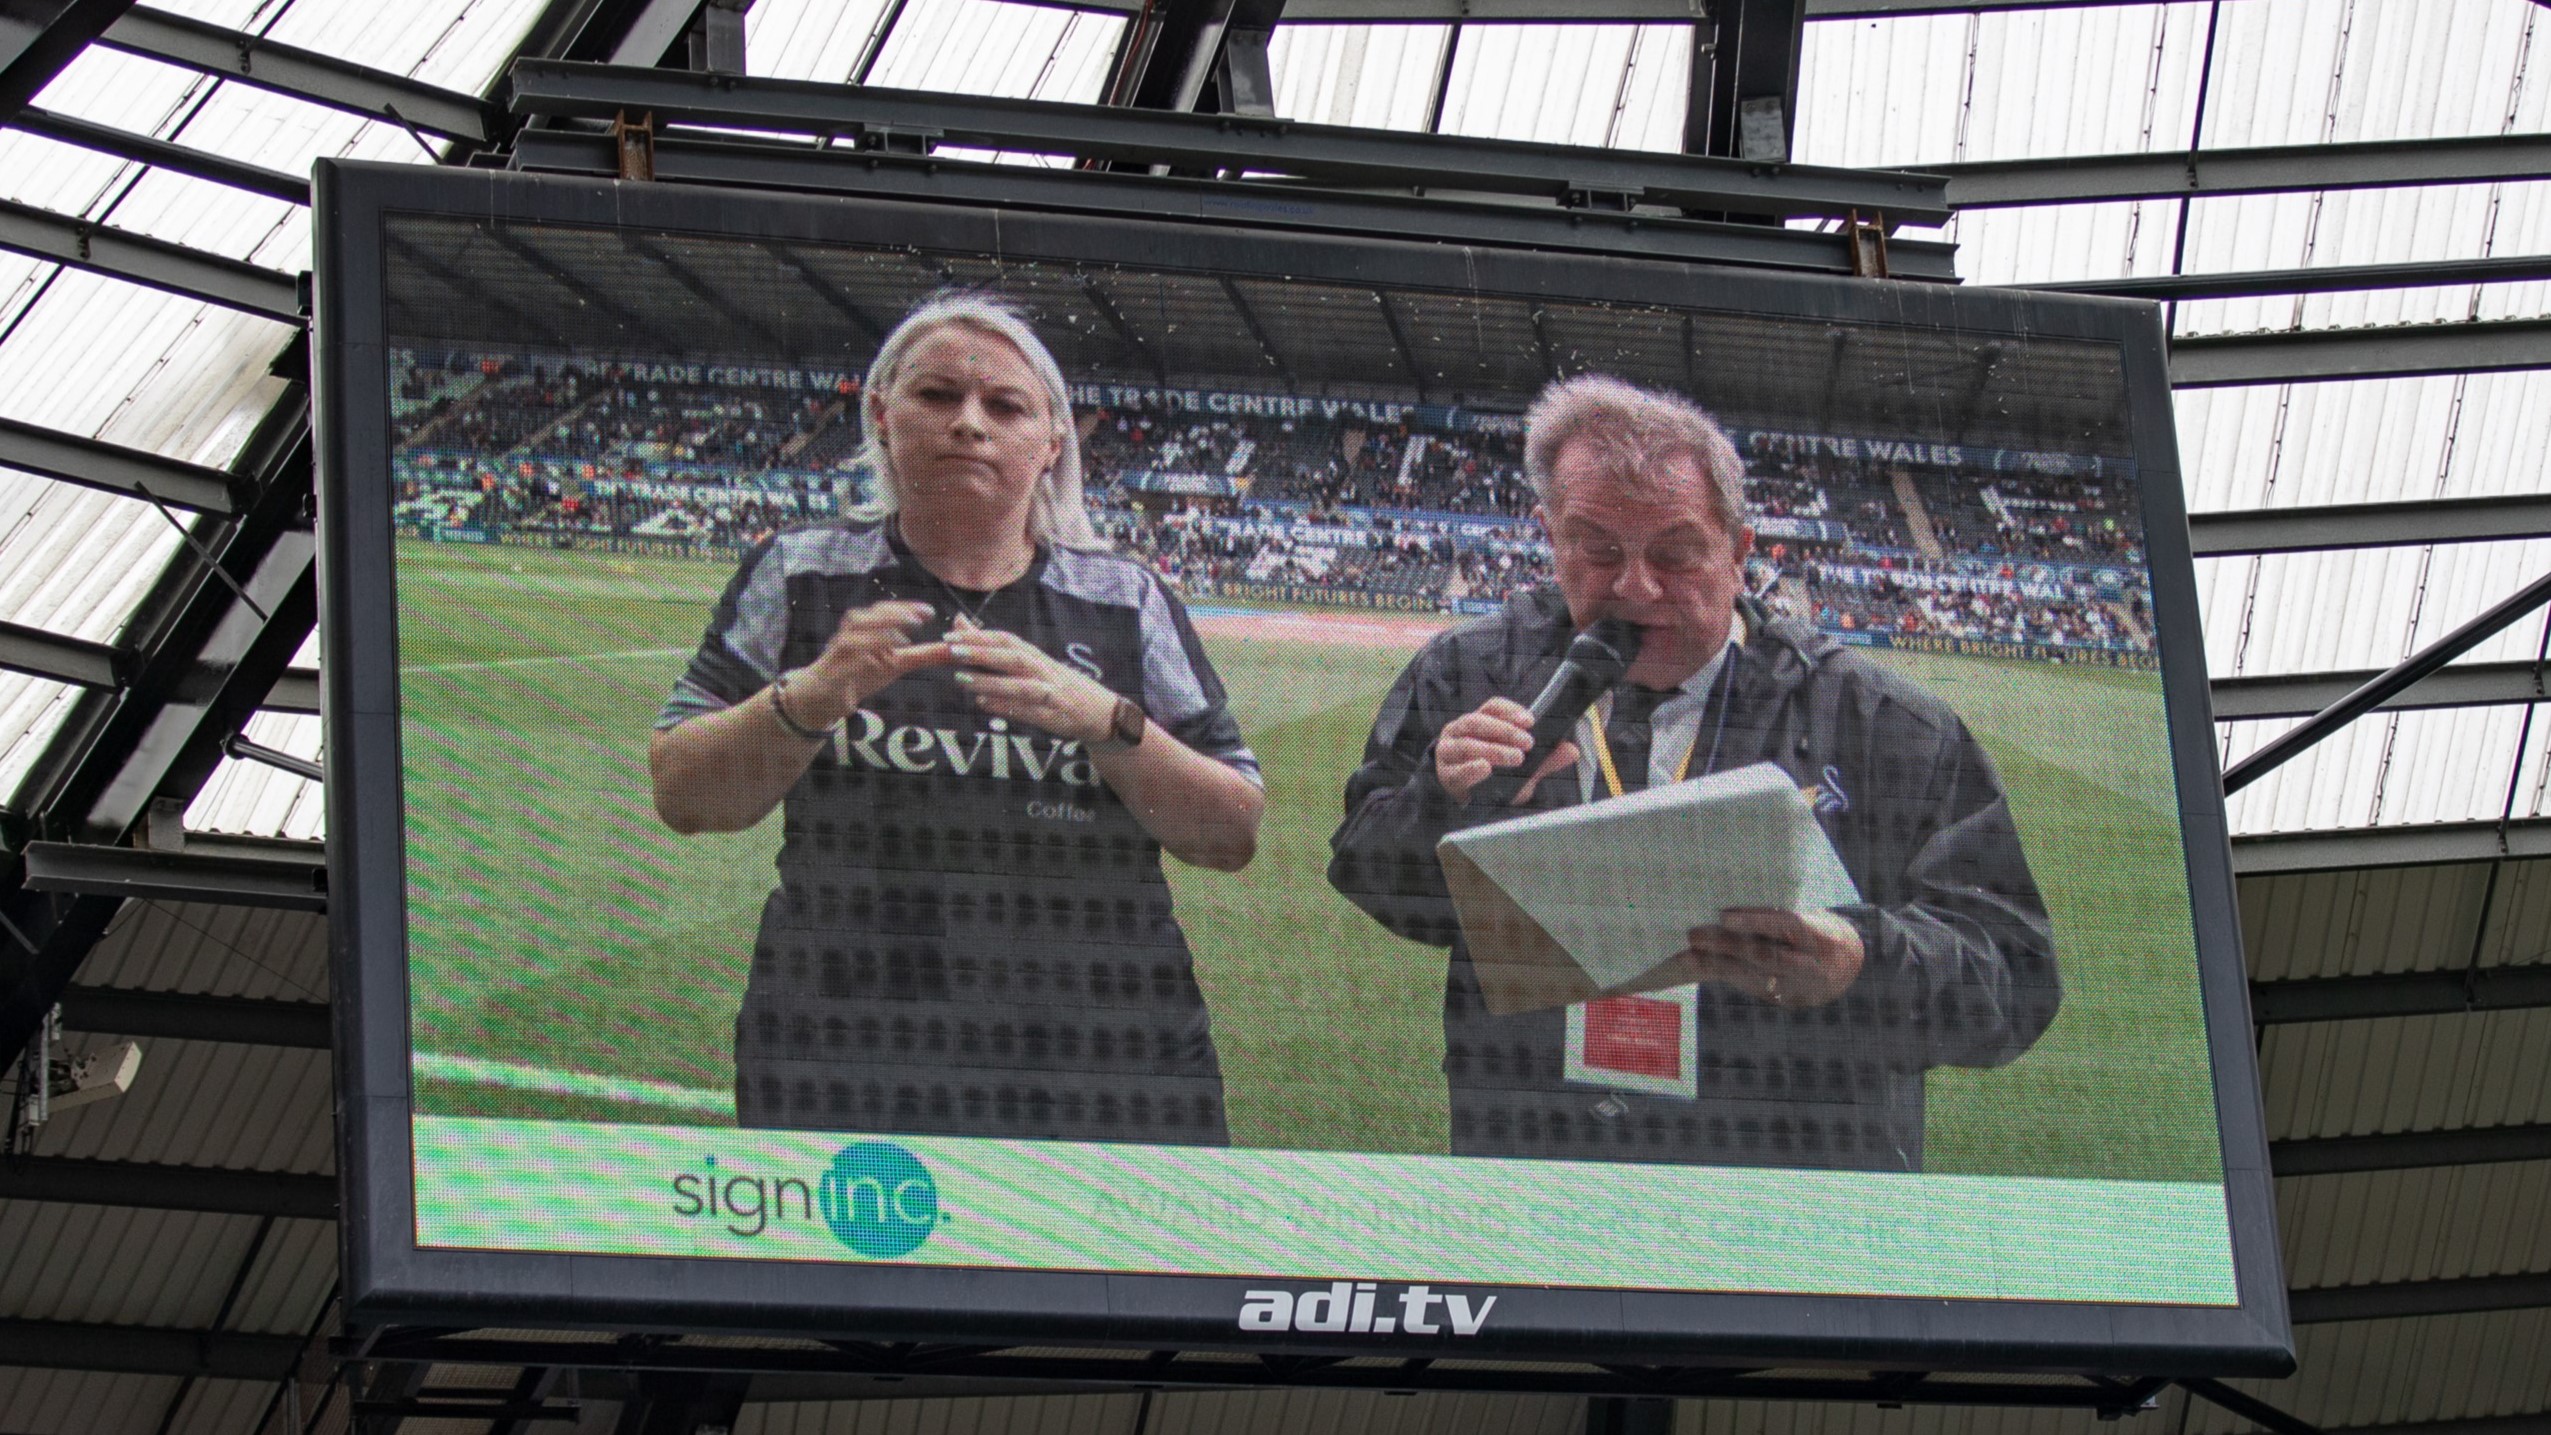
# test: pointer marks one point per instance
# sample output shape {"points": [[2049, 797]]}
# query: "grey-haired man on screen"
{"points": [[1798, 1038]]}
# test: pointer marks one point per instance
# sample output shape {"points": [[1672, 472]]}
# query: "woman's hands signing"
{"points": [[872, 647], [1014, 679]]}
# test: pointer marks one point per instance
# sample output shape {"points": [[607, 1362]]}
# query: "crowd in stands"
{"points": [[1346, 504]]}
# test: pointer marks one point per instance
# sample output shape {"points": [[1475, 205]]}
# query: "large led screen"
{"points": [[1413, 783]]}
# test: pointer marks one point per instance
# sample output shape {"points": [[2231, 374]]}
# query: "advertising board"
{"points": [[826, 831]]}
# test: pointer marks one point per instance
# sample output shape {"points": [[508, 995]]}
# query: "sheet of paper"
{"points": [[1563, 906]]}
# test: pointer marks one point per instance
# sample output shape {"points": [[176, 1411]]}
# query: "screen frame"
{"points": [[390, 1280]]}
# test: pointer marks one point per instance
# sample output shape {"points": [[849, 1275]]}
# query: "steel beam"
{"points": [[152, 1186], [153, 263], [2400, 994], [2329, 279], [2371, 525], [2459, 685], [1329, 153], [191, 1016], [305, 75], [1494, 12], [40, 38], [114, 468], [213, 634], [63, 660], [160, 154], [2393, 681], [2172, 174], [2401, 351], [841, 171], [297, 691], [653, 30], [2401, 1300], [140, 874], [147, 1350], [2407, 1150], [1580, 12], [2425, 844]]}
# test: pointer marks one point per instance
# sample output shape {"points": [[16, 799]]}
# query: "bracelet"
{"points": [[779, 709]]}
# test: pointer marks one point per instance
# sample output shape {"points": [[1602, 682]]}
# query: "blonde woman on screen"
{"points": [[982, 730]]}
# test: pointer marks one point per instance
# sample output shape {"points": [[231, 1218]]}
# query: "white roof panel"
{"points": [[96, 356], [1375, 76], [1610, 86], [810, 39], [988, 47]]}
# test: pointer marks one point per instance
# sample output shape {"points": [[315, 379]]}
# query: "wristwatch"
{"points": [[1124, 727]]}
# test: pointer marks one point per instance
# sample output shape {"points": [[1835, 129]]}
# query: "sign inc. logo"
{"points": [[879, 1199]]}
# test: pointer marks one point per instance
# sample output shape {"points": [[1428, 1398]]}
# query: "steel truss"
{"points": [[853, 1369]]}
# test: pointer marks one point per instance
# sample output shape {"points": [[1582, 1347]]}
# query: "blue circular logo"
{"points": [[879, 1199]]}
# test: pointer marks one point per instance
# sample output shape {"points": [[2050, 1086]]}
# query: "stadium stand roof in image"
{"points": [[2347, 202]]}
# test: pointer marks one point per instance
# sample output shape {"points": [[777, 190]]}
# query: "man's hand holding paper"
{"points": [[1789, 959], [1599, 899]]}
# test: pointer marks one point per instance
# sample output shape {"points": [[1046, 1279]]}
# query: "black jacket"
{"points": [[1960, 965]]}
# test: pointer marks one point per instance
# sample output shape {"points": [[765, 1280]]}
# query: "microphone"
{"points": [[1596, 660]]}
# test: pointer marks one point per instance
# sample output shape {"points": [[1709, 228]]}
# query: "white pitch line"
{"points": [[480, 667], [550, 1081]]}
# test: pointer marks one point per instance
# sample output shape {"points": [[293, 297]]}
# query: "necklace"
{"points": [[971, 612]]}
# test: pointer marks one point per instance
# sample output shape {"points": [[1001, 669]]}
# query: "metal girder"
{"points": [[152, 1186], [2406, 1150], [161, 154], [153, 263], [1744, 92], [140, 874], [841, 171], [2458, 685], [305, 75], [1166, 1370], [62, 660], [214, 633], [2330, 279], [653, 30], [39, 39], [1330, 153], [297, 691], [2400, 994], [2371, 525], [147, 1350], [2168, 174], [1494, 12], [1580, 12], [2391, 682], [2249, 1407], [2401, 351], [2400, 1300], [92, 463], [189, 1016], [2424, 844], [1171, 51]]}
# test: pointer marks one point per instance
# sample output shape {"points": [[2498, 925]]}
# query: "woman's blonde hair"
{"points": [[1056, 515]]}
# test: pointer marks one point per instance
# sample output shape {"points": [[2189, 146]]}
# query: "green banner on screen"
{"points": [[621, 1189]]}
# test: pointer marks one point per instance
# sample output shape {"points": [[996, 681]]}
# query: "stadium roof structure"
{"points": [[2344, 202]]}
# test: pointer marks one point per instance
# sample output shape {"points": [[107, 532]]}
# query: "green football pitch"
{"points": [[572, 958]]}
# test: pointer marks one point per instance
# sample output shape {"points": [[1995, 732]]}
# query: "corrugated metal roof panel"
{"points": [[210, 1104], [117, 1265], [2394, 919], [1612, 86], [2385, 1372], [989, 47], [222, 1407], [2439, 1223], [83, 1402], [809, 39], [1376, 76], [2357, 1078], [213, 950]]}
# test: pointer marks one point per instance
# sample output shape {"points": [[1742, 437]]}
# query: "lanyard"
{"points": [[1603, 746]]}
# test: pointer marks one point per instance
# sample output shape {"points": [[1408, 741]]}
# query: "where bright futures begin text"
{"points": [[1348, 1307]]}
